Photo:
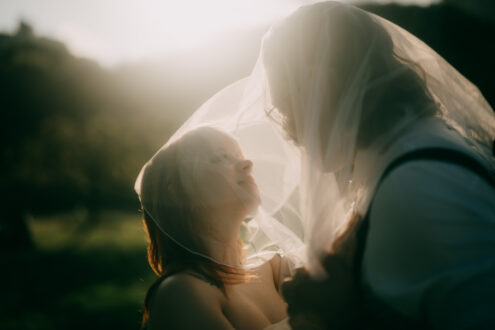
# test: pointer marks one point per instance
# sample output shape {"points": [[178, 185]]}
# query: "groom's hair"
{"points": [[394, 87]]}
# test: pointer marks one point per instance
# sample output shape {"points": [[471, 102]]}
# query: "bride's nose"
{"points": [[244, 165]]}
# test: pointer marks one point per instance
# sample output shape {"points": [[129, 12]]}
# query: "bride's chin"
{"points": [[253, 210], [251, 204]]}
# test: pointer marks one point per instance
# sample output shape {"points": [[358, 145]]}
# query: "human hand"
{"points": [[331, 302], [299, 292]]}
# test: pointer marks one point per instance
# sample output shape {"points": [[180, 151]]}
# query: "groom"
{"points": [[422, 257], [422, 254]]}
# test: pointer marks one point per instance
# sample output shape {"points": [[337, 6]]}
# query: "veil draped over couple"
{"points": [[347, 183]]}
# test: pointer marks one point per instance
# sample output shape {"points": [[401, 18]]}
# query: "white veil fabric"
{"points": [[333, 83], [276, 171]]}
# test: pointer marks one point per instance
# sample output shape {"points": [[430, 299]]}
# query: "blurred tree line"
{"points": [[75, 135], [68, 138]]}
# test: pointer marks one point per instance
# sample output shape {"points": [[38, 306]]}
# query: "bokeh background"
{"points": [[90, 89]]}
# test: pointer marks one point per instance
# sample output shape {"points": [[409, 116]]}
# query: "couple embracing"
{"points": [[347, 183]]}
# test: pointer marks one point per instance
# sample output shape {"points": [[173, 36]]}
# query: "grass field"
{"points": [[79, 277]]}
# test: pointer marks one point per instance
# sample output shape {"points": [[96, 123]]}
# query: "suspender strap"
{"points": [[442, 155]]}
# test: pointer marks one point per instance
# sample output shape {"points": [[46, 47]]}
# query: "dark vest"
{"points": [[376, 313]]}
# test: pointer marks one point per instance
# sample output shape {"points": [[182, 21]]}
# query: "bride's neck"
{"points": [[223, 234], [225, 253]]}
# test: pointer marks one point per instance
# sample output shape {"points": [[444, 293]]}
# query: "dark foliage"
{"points": [[464, 39]]}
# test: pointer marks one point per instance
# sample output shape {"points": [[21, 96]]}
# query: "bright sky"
{"points": [[115, 31]]}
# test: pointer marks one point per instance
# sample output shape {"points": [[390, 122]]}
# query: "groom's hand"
{"points": [[321, 304], [298, 292]]}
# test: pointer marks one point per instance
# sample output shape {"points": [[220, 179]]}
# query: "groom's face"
{"points": [[306, 126], [283, 101]]}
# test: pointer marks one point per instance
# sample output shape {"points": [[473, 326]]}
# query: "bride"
{"points": [[195, 194]]}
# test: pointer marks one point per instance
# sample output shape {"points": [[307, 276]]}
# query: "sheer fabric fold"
{"points": [[333, 84]]}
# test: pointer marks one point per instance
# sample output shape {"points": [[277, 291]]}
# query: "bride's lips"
{"points": [[248, 180]]}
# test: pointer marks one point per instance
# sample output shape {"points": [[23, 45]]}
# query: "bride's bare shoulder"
{"points": [[281, 268], [183, 295], [187, 284], [185, 280], [275, 262]]}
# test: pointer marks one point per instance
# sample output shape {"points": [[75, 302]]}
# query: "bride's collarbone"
{"points": [[256, 302]]}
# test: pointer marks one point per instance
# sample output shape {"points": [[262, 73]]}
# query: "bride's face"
{"points": [[224, 180]]}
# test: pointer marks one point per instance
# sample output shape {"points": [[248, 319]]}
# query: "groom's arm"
{"points": [[430, 251]]}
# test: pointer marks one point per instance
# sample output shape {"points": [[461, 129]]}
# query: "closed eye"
{"points": [[220, 157], [216, 159]]}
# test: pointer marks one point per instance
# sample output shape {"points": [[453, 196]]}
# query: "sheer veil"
{"points": [[332, 84]]}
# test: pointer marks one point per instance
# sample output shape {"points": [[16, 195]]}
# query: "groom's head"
{"points": [[335, 79]]}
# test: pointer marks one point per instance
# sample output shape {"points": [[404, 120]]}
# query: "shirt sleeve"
{"points": [[430, 251]]}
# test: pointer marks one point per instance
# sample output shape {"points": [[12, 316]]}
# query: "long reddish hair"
{"points": [[161, 179]]}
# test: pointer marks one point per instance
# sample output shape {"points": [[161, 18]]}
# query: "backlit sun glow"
{"points": [[115, 31]]}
